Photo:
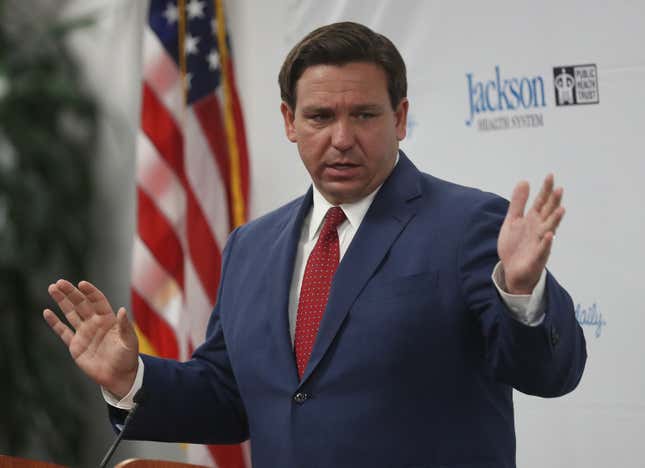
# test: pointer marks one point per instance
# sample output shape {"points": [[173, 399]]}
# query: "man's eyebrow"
{"points": [[316, 109], [367, 108]]}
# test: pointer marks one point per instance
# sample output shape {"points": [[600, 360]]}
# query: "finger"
{"points": [[96, 297], [545, 192], [62, 330], [552, 203], [83, 308], [553, 221], [545, 248], [518, 200], [122, 320], [65, 305], [126, 331], [124, 323]]}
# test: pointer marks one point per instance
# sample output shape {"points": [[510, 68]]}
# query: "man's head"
{"points": [[339, 44], [344, 103]]}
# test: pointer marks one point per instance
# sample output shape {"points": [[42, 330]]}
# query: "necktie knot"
{"points": [[334, 217]]}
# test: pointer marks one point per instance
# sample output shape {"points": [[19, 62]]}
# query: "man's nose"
{"points": [[343, 136]]}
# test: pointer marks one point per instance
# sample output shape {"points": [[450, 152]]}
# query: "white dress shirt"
{"points": [[528, 309]]}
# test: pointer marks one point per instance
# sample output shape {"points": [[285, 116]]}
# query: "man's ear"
{"points": [[289, 116], [401, 117]]}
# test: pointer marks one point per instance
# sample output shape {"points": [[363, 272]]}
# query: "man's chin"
{"points": [[338, 193]]}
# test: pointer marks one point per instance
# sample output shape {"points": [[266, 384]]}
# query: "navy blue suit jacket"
{"points": [[416, 356]]}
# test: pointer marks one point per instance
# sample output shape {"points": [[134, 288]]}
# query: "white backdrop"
{"points": [[595, 150]]}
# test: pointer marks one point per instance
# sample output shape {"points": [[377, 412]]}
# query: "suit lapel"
{"points": [[283, 256], [386, 218]]}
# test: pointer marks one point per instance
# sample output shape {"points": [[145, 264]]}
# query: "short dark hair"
{"points": [[339, 44]]}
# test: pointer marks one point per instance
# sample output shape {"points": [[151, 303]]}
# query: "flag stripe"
{"points": [[160, 183], [204, 176], [210, 119], [199, 305], [203, 249], [156, 285], [155, 231], [157, 123], [157, 331]]}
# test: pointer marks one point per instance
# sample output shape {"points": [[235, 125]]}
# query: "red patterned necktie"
{"points": [[316, 282]]}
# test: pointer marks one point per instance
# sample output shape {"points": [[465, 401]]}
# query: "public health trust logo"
{"points": [[500, 102], [576, 84]]}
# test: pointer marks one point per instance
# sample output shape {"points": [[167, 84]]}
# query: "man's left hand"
{"points": [[525, 240]]}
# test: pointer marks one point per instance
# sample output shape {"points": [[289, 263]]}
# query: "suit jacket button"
{"points": [[555, 336], [301, 397]]}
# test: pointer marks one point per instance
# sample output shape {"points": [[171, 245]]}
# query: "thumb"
{"points": [[126, 331]]}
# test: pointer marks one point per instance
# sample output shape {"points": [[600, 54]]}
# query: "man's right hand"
{"points": [[103, 344]]}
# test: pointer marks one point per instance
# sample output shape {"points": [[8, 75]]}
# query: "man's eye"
{"points": [[365, 115], [319, 117]]}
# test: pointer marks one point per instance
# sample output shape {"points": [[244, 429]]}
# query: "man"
{"points": [[403, 354]]}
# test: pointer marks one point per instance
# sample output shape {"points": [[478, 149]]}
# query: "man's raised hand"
{"points": [[103, 344], [525, 240]]}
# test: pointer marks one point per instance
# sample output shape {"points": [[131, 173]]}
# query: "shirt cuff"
{"points": [[528, 309], [127, 402]]}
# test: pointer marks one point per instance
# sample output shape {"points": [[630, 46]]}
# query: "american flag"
{"points": [[192, 183]]}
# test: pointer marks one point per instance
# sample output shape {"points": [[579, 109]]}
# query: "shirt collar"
{"points": [[355, 212]]}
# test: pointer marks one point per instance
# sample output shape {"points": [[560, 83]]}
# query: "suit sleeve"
{"points": [[546, 360], [196, 401]]}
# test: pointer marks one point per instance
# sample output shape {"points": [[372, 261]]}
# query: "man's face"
{"points": [[346, 130]]}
